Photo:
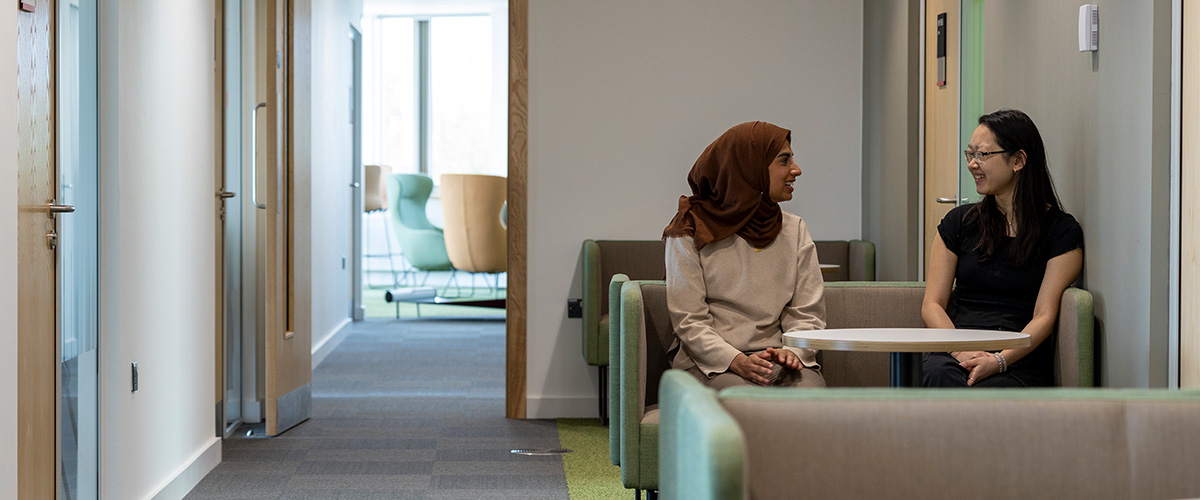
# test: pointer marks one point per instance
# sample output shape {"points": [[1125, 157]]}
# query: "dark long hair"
{"points": [[1033, 195]]}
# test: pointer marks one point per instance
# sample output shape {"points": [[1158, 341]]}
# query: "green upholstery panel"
{"points": [[646, 335], [1074, 361], [698, 440], [637, 259], [614, 368]]}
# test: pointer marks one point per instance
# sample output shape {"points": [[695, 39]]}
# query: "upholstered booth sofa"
{"points": [[772, 443], [645, 260], [639, 354]]}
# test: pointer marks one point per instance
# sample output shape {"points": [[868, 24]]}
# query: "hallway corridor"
{"points": [[402, 409]]}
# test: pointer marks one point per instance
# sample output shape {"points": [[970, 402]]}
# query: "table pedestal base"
{"points": [[906, 369]]}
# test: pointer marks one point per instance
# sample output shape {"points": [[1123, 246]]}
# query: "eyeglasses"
{"points": [[979, 156]]}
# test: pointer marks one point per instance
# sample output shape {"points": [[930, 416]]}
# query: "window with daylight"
{"points": [[435, 94]]}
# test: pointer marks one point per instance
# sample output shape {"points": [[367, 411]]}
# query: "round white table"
{"points": [[906, 344]]}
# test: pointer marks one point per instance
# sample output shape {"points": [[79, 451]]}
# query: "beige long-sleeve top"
{"points": [[732, 298]]}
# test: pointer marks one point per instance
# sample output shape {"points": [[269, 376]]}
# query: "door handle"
{"points": [[52, 209], [225, 195], [947, 200], [254, 155], [354, 184]]}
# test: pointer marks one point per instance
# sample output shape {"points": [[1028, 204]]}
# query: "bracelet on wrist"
{"points": [[1001, 361]]}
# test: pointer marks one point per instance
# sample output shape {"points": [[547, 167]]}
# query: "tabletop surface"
{"points": [[906, 339]]}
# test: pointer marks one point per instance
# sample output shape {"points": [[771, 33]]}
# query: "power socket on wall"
{"points": [[574, 308], [134, 372]]}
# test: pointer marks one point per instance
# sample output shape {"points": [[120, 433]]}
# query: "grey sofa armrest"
{"points": [[861, 260]]}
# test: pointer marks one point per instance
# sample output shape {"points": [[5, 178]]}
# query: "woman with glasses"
{"points": [[1008, 258], [740, 270]]}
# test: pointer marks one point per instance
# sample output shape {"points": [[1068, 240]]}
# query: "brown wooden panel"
{"points": [[288, 356], [37, 343], [518, 95], [1189, 234], [941, 118]]}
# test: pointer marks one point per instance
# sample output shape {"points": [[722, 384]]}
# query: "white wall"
{"points": [[624, 95], [8, 257], [891, 191], [328, 201], [1102, 119], [157, 91]]}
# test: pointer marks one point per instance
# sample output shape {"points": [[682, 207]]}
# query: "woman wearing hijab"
{"points": [[740, 270]]}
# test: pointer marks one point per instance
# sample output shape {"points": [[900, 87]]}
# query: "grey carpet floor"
{"points": [[402, 409]]}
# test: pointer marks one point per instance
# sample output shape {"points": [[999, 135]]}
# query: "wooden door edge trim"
{"points": [[515, 327]]}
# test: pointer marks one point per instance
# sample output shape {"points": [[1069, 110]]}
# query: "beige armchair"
{"points": [[476, 238]]}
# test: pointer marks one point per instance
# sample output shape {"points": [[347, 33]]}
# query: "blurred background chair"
{"points": [[422, 243], [476, 237], [374, 202], [855, 258]]}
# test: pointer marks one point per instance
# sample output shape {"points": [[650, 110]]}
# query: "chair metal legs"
{"points": [[367, 252]]}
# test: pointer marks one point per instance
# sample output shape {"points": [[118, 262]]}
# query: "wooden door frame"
{"points": [[1184, 364], [220, 105], [953, 77], [518, 140]]}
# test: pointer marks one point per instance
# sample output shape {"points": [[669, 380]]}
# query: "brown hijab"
{"points": [[729, 185]]}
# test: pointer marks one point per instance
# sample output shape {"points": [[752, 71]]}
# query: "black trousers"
{"points": [[940, 369]]}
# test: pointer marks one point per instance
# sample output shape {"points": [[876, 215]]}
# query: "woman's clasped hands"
{"points": [[760, 367], [979, 365]]}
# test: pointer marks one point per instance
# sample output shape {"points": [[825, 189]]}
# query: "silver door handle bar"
{"points": [[947, 200], [59, 209], [254, 155]]}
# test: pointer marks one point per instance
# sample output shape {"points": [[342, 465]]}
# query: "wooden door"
{"points": [[1189, 199], [288, 356], [37, 391], [941, 117]]}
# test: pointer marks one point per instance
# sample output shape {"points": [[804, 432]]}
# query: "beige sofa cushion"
{"points": [[989, 445]]}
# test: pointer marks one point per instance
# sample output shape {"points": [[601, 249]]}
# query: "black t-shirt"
{"points": [[995, 294]]}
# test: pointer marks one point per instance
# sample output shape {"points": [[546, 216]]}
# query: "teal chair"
{"points": [[423, 244]]}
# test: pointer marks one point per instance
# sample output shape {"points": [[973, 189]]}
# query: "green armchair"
{"points": [[422, 243], [635, 259]]}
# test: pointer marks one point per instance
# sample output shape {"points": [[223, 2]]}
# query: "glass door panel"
{"points": [[232, 216], [77, 255]]}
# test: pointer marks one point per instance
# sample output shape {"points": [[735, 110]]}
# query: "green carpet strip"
{"points": [[590, 473]]}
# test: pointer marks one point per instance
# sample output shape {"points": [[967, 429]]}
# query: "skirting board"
{"points": [[585, 407], [323, 347], [188, 476]]}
